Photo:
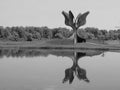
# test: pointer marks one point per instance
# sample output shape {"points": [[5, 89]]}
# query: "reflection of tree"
{"points": [[21, 52], [75, 70], [29, 52]]}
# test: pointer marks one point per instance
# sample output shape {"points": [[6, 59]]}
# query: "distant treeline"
{"points": [[39, 33]]}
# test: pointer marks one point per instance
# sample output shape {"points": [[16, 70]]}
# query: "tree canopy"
{"points": [[38, 33]]}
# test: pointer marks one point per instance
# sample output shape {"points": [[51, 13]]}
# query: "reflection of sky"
{"points": [[103, 71], [46, 73], [103, 13]]}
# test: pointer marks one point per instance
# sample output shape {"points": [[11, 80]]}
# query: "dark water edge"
{"points": [[45, 51], [33, 52], [65, 47]]}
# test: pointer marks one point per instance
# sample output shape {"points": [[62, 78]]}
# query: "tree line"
{"points": [[43, 33]]}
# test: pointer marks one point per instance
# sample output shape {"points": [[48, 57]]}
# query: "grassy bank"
{"points": [[60, 44]]}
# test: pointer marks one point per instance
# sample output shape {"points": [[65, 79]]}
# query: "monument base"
{"points": [[80, 40]]}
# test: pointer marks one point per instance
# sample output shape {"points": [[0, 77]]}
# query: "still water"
{"points": [[29, 69]]}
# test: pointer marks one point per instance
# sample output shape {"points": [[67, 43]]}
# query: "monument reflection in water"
{"points": [[70, 73], [76, 70]]}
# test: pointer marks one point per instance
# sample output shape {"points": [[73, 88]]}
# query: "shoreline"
{"points": [[53, 44]]}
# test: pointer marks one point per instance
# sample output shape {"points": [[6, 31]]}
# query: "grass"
{"points": [[61, 44]]}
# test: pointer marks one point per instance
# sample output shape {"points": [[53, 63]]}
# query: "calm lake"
{"points": [[34, 69]]}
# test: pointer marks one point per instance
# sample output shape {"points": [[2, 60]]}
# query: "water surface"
{"points": [[28, 69]]}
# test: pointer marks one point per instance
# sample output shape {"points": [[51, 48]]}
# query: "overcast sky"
{"points": [[104, 14]]}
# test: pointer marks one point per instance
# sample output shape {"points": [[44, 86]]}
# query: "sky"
{"points": [[104, 14]]}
